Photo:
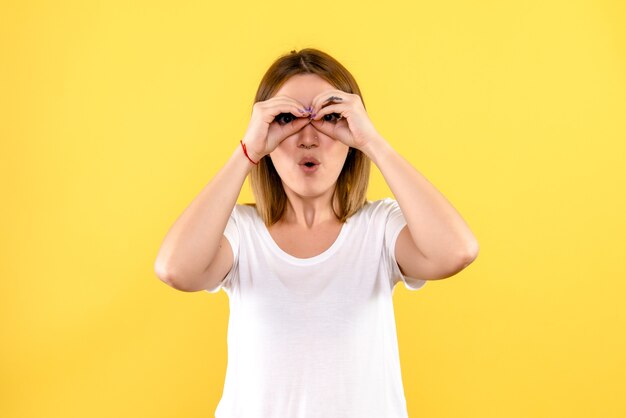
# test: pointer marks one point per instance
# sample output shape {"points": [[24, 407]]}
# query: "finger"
{"points": [[278, 100], [270, 114], [298, 124], [292, 128], [270, 108], [324, 96], [338, 132], [325, 128], [327, 98], [335, 108]]}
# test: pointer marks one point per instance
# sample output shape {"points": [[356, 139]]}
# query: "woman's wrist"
{"points": [[376, 147], [250, 155]]}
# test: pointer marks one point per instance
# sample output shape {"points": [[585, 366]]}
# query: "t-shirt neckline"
{"points": [[303, 261]]}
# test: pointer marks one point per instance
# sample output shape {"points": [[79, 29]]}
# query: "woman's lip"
{"points": [[310, 169], [309, 160]]}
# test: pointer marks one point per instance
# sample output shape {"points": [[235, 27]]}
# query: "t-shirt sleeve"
{"points": [[232, 235], [395, 221]]}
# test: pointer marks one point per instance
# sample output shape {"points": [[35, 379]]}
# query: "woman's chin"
{"points": [[310, 191]]}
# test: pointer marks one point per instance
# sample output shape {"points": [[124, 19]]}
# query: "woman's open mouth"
{"points": [[309, 164], [309, 167]]}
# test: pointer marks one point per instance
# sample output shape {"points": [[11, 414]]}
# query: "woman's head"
{"points": [[302, 75]]}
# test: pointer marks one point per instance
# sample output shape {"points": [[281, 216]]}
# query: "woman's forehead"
{"points": [[304, 87]]}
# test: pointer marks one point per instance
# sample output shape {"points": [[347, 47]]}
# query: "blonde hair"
{"points": [[351, 186]]}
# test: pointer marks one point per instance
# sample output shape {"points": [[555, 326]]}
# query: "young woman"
{"points": [[309, 270]]}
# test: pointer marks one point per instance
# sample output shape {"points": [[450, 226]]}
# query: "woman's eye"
{"points": [[332, 117], [284, 118]]}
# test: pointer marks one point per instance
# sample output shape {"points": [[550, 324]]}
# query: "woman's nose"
{"points": [[309, 137]]}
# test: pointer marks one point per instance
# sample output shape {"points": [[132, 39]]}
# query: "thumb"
{"points": [[298, 124], [325, 128], [294, 126], [280, 133]]}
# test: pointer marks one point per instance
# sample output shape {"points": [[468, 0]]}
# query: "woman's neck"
{"points": [[308, 212]]}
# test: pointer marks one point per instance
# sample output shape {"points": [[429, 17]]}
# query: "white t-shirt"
{"points": [[314, 337]]}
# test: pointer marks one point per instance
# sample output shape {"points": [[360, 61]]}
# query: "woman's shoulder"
{"points": [[245, 211], [385, 203], [246, 206], [371, 209], [377, 208]]}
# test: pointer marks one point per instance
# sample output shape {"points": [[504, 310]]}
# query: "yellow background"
{"points": [[115, 114]]}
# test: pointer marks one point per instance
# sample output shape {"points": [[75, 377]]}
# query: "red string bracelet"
{"points": [[245, 151]]}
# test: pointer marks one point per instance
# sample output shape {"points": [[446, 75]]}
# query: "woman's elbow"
{"points": [[470, 253]]}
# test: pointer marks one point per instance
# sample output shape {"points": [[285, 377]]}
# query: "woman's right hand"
{"points": [[265, 131]]}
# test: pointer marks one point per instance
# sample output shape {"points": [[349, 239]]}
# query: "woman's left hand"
{"points": [[353, 127]]}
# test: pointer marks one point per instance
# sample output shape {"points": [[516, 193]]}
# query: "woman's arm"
{"points": [[436, 243], [196, 240]]}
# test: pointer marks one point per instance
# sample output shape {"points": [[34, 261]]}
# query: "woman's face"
{"points": [[290, 156]]}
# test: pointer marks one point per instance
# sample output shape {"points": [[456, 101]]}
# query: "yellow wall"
{"points": [[113, 116]]}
